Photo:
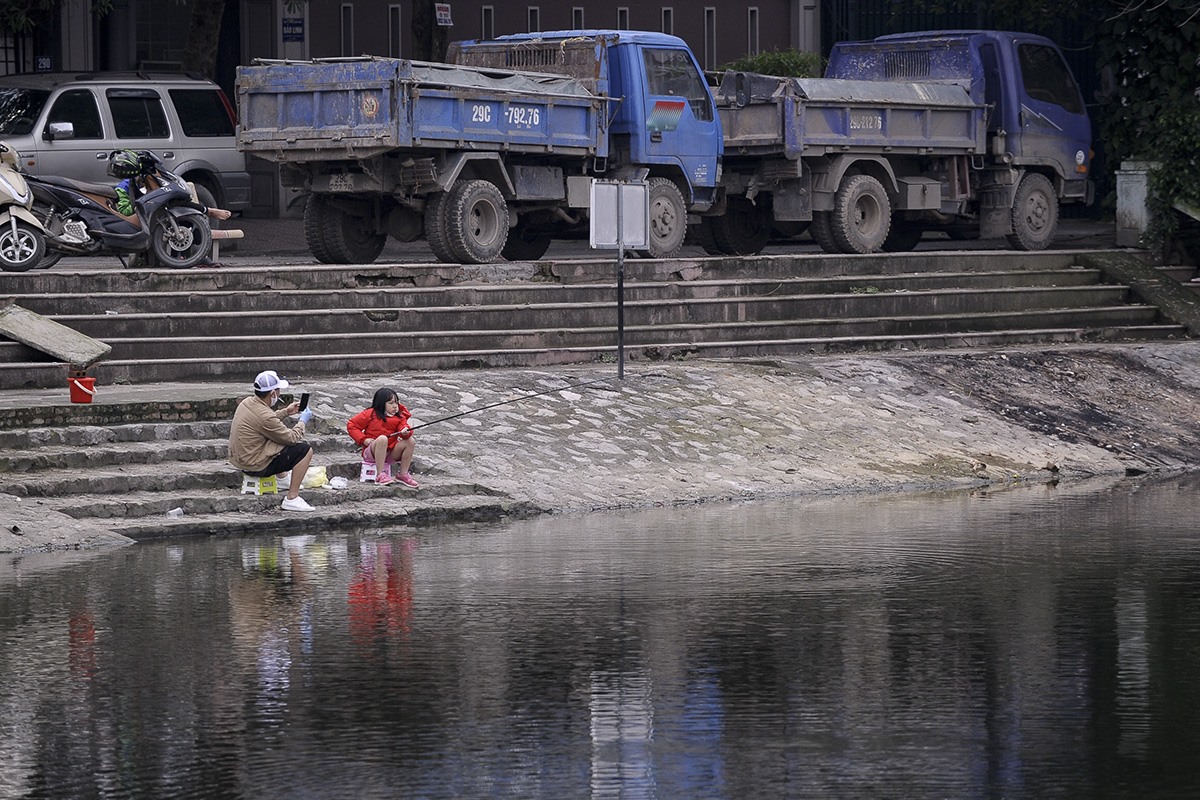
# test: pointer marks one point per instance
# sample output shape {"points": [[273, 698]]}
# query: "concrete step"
{"points": [[269, 348], [553, 316], [74, 438], [313, 276], [310, 366], [42, 464], [198, 501], [382, 507], [242, 302]]}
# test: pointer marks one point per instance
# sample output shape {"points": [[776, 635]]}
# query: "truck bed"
{"points": [[791, 117], [359, 108]]}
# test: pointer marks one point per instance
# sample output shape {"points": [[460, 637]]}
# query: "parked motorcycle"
{"points": [[166, 224], [22, 237]]}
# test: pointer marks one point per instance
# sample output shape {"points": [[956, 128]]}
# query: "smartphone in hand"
{"points": [[304, 401]]}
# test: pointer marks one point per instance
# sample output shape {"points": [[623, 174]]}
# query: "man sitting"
{"points": [[260, 444]]}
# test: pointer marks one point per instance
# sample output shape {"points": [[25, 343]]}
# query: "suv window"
{"points": [[1047, 78], [201, 112], [138, 114], [78, 107], [19, 108]]}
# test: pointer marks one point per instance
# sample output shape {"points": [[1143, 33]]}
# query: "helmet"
{"points": [[8, 155], [123, 164]]}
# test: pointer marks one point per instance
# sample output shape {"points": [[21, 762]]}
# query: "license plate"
{"points": [[342, 182]]}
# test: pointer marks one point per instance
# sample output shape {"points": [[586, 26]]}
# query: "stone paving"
{"points": [[705, 431]]}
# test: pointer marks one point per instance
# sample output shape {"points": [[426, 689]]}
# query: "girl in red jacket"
{"points": [[383, 432]]}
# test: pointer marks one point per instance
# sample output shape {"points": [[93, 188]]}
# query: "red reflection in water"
{"points": [[381, 595], [81, 639]]}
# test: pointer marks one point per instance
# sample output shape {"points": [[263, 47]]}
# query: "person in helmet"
{"points": [[130, 167]]}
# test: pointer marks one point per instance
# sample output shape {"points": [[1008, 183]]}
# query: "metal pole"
{"points": [[620, 284]]}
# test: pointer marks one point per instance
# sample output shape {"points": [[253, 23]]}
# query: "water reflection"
{"points": [[1032, 644]]}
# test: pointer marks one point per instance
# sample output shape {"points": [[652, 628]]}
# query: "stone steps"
{"points": [[367, 318], [254, 301]]}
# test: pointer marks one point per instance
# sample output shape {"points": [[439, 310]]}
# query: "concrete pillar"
{"points": [[1133, 218]]}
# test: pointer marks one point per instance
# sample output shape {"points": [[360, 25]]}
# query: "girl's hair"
{"points": [[380, 400]]}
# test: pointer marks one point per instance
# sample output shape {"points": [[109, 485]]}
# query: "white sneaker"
{"points": [[284, 478], [295, 504]]}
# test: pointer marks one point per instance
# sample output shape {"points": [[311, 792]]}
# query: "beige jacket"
{"points": [[258, 434]]}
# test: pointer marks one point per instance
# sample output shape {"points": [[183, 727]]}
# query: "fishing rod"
{"points": [[506, 402]]}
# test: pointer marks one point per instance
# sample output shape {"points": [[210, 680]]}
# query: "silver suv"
{"points": [[66, 124]]}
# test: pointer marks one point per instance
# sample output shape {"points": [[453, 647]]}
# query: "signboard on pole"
{"points": [[620, 216], [442, 12], [620, 220]]}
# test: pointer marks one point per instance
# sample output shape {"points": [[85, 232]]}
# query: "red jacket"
{"points": [[365, 426]]}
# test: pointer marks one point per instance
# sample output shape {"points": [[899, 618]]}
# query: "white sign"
{"points": [[442, 10], [620, 215]]}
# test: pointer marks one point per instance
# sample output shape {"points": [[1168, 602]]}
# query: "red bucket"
{"points": [[82, 389]]}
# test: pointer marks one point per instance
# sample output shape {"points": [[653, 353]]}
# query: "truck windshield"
{"points": [[19, 109], [672, 73], [1047, 78]]}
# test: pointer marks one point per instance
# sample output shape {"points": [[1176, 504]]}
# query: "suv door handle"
{"points": [[169, 154]]}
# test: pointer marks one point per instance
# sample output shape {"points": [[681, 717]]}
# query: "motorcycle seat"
{"points": [[102, 189]]}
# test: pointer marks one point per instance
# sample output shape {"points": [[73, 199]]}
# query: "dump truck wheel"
{"points": [[902, 238], [524, 244], [702, 235], [744, 229], [435, 228], [668, 219], [1034, 214], [476, 221], [315, 213], [350, 239], [862, 215], [822, 231]]}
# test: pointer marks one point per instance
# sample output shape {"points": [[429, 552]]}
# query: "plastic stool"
{"points": [[257, 486], [368, 473]]}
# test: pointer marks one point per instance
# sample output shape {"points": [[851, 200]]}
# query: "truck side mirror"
{"points": [[59, 130]]}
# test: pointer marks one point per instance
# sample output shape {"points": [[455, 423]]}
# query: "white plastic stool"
{"points": [[368, 473], [259, 486]]}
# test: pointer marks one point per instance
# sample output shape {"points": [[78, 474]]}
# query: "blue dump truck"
{"points": [[975, 133]]}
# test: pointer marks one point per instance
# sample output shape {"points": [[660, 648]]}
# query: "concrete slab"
{"points": [[50, 337]]}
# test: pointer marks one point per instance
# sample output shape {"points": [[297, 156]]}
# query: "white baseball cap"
{"points": [[269, 381]]}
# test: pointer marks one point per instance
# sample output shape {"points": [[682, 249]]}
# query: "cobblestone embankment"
{"points": [[690, 432]]}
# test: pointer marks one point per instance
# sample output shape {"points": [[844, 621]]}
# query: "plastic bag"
{"points": [[314, 478]]}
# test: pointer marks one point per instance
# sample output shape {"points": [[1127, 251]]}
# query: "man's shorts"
{"points": [[284, 460]]}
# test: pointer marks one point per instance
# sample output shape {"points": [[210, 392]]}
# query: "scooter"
{"points": [[168, 225], [22, 237]]}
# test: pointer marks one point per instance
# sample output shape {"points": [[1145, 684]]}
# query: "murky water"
{"points": [[1030, 644]]}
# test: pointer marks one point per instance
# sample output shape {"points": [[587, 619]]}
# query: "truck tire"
{"points": [[1034, 214], [744, 229], [350, 239], [862, 215], [822, 231], [902, 238], [314, 228], [524, 244], [435, 228], [702, 236], [476, 221], [668, 219]]}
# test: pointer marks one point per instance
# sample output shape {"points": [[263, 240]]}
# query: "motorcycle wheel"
{"points": [[180, 242], [22, 247]]}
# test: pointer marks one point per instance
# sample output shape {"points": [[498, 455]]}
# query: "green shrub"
{"points": [[1176, 146], [784, 63]]}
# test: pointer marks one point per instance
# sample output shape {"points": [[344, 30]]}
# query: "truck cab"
{"points": [[1036, 120], [661, 120]]}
